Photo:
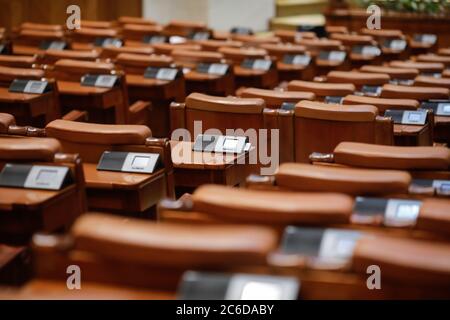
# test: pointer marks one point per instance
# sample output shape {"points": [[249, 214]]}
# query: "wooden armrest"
{"points": [[6, 120], [254, 181], [384, 130], [177, 115], [76, 115], [139, 106]]}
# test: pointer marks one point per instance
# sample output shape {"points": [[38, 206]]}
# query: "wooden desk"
{"points": [[442, 129], [211, 84], [192, 168], [411, 135], [126, 193], [25, 211], [255, 78], [28, 109], [41, 289], [102, 104], [15, 266], [161, 93], [288, 72]]}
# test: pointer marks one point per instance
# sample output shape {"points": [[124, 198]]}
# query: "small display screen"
{"points": [[218, 68], [446, 108], [414, 117], [336, 56], [230, 144], [207, 141], [445, 187], [397, 44], [167, 74], [371, 51], [345, 247], [46, 176], [425, 38], [140, 162], [261, 291], [200, 36], [407, 211], [371, 89], [154, 39], [333, 100], [301, 59], [106, 81], [37, 87], [262, 64]]}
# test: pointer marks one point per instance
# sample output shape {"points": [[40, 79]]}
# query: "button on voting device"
{"points": [[129, 162], [167, 74], [425, 38], [256, 287], [151, 39], [257, 64], [402, 82], [337, 245], [99, 80], [332, 55], [213, 68], [108, 42], [333, 100], [442, 187], [418, 117], [373, 91], [367, 50], [52, 45], [241, 30], [200, 35], [395, 44], [288, 106], [298, 59], [221, 144], [400, 213], [328, 245], [177, 40], [34, 177], [443, 109], [29, 86]]}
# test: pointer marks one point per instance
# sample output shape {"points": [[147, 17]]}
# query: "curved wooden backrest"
{"points": [[320, 127], [137, 63], [322, 89], [90, 140], [382, 104], [275, 98]]}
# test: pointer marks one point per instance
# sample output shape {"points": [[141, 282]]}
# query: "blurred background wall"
{"points": [[219, 14]]}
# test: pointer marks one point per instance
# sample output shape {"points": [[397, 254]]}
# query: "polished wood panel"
{"points": [[13, 13]]}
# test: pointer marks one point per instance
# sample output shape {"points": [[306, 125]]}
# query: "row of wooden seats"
{"points": [[295, 146], [195, 76], [114, 107], [271, 44], [139, 193], [317, 226], [156, 255], [321, 209]]}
